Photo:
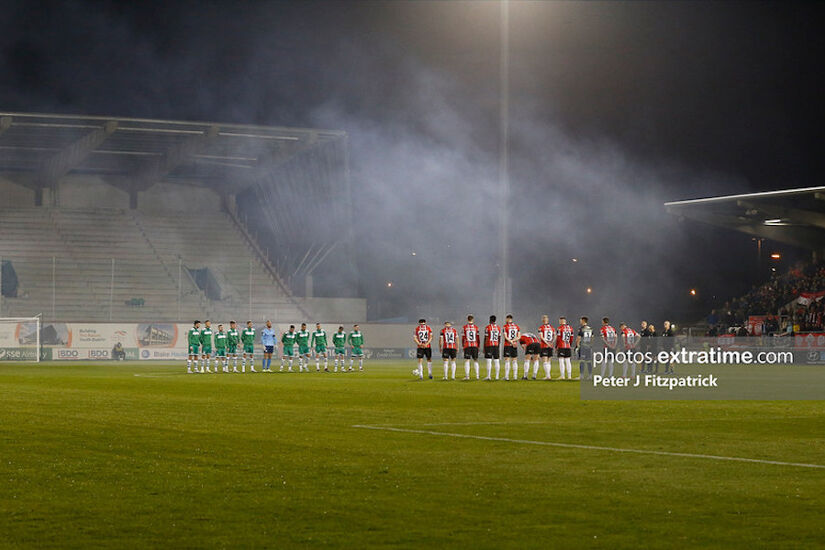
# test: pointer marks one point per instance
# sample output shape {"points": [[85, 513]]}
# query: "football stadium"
{"points": [[425, 274]]}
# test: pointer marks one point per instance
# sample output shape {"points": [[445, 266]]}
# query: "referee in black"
{"points": [[667, 341], [646, 347]]}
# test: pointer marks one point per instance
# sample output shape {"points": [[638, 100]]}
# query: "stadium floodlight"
{"points": [[502, 298], [20, 338]]}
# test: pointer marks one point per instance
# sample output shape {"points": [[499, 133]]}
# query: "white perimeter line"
{"points": [[593, 447], [478, 423]]}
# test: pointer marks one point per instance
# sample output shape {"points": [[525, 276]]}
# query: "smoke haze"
{"points": [[415, 86]]}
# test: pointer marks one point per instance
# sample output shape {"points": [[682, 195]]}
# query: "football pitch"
{"points": [[142, 454]]}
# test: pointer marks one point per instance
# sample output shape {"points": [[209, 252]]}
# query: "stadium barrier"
{"points": [[158, 340]]}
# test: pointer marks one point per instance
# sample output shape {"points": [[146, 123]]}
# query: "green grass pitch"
{"points": [[92, 455]]}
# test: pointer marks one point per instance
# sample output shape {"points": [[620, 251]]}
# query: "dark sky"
{"points": [[710, 97]]}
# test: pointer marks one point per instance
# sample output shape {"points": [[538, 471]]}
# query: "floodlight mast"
{"points": [[502, 294]]}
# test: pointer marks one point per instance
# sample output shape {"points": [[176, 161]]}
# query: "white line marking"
{"points": [[156, 374], [593, 447], [481, 423]]}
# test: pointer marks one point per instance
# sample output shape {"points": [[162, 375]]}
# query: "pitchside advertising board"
{"points": [[94, 341], [101, 341]]}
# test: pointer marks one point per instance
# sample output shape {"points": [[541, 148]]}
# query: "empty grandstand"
{"points": [[126, 219]]}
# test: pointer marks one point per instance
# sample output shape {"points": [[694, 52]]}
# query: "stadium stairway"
{"points": [[79, 245]]}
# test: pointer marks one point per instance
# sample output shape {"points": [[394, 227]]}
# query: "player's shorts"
{"points": [[532, 349], [564, 352], [586, 354], [340, 351], [269, 349], [303, 350], [356, 351], [421, 353], [206, 350], [471, 352], [220, 353], [320, 349], [193, 349], [491, 352], [289, 351], [546, 352], [232, 349], [449, 353], [249, 349], [510, 351]]}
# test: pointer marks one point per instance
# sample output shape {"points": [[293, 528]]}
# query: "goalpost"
{"points": [[20, 338]]}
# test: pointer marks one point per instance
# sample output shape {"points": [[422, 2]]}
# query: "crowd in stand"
{"points": [[776, 299]]}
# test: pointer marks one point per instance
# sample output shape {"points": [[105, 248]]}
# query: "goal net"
{"points": [[20, 339]]}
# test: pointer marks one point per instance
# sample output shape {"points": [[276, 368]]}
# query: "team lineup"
{"points": [[229, 345], [537, 348]]}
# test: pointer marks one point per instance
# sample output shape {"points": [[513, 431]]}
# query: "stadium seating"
{"points": [[81, 246]]}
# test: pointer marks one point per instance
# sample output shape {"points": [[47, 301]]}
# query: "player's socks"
{"points": [[526, 369], [189, 365], [506, 369], [467, 369], [489, 368], [478, 375], [624, 369], [452, 369], [633, 369], [430, 369], [535, 368], [547, 366], [446, 369], [497, 363]]}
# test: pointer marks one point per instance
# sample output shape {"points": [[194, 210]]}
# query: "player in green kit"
{"points": [[356, 343], [206, 346], [233, 337], [319, 342], [193, 339], [339, 342], [248, 342], [302, 337], [288, 341], [220, 349]]}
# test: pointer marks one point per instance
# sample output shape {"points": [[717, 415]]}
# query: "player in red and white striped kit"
{"points": [[610, 339], [630, 339], [448, 342], [565, 338], [511, 332], [492, 346], [547, 335], [470, 337], [423, 337], [532, 346]]}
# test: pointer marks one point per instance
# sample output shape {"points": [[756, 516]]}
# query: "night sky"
{"points": [[700, 98]]}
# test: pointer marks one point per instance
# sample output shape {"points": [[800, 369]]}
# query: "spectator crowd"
{"points": [[777, 300]]}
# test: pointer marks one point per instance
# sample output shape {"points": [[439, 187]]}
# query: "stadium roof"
{"points": [[791, 216], [41, 148]]}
